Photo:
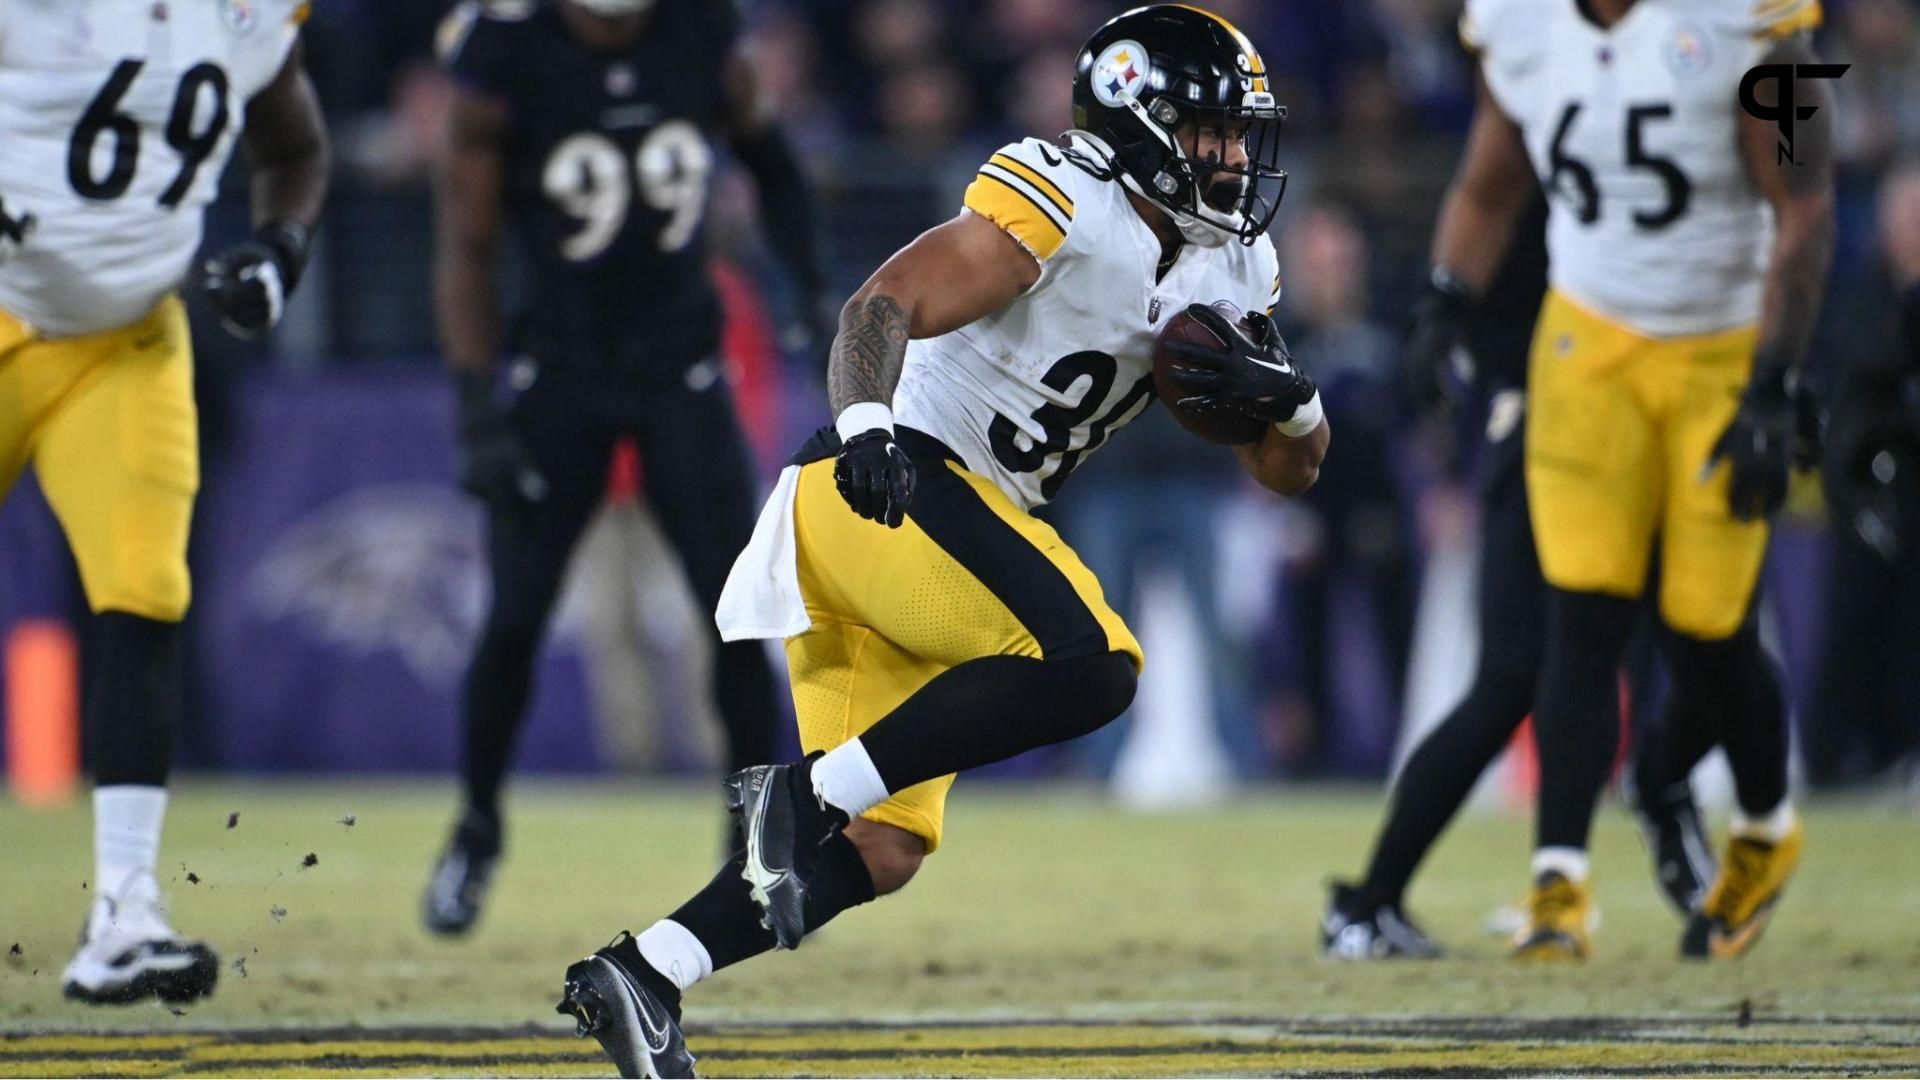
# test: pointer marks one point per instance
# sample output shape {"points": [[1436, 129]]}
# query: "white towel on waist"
{"points": [[762, 595]]}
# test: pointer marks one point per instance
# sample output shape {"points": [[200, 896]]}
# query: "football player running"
{"points": [[589, 127], [118, 117], [1688, 254], [932, 624]]}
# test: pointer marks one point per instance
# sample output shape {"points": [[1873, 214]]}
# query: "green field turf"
{"points": [[1053, 935]]}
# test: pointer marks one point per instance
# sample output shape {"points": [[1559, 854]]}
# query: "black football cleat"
{"points": [[1683, 861], [784, 823], [458, 887], [1355, 929], [609, 998]]}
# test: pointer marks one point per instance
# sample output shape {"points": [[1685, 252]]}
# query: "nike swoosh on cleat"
{"points": [[656, 1034]]}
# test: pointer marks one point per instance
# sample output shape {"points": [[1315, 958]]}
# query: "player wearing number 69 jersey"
{"points": [[117, 118], [932, 624], [588, 128], [1683, 145]]}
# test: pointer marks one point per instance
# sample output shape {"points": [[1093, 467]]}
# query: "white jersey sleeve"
{"points": [[1027, 188], [118, 118]]}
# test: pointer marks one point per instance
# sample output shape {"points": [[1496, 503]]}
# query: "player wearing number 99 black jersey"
{"points": [[116, 120], [932, 623], [1688, 249], [588, 128]]}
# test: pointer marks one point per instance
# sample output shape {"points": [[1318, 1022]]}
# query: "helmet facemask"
{"points": [[1210, 198]]}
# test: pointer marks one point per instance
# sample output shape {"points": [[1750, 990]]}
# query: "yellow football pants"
{"points": [[1619, 430], [968, 575], [108, 422]]}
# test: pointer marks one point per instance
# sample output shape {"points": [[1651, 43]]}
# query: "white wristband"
{"points": [[862, 417], [1304, 420]]}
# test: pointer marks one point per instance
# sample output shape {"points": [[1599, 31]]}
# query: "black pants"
{"points": [[699, 482]]}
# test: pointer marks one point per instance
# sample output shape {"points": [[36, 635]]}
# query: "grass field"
{"points": [[1054, 935]]}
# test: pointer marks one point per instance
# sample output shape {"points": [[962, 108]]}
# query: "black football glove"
{"points": [[495, 466], [248, 283], [1251, 373], [1758, 446], [1438, 365], [875, 476]]}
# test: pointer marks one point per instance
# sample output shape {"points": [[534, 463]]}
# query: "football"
{"points": [[1221, 426]]}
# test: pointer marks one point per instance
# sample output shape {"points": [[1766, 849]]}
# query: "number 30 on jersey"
{"points": [[587, 175]]}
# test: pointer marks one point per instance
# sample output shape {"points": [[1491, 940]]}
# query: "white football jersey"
{"points": [[116, 119], [1634, 132], [1027, 393]]}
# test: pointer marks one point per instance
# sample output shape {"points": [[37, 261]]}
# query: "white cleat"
{"points": [[128, 952]]}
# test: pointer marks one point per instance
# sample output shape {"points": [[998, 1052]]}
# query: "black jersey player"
{"points": [[588, 129]]}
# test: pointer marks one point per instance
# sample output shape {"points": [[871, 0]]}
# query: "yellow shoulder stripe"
{"points": [[1033, 176], [1779, 18], [301, 13], [1015, 211]]}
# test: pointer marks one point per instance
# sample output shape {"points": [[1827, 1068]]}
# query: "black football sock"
{"points": [[743, 692], [1440, 775], [1664, 757], [993, 708], [133, 704], [726, 921], [498, 684], [1750, 714], [1577, 720]]}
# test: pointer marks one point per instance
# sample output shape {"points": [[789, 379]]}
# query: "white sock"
{"points": [[845, 778], [126, 833], [1773, 828], [1568, 862], [675, 952]]}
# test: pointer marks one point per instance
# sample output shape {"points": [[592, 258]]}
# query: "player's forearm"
{"points": [[786, 205], [1476, 224], [1283, 464], [466, 302], [288, 155], [290, 184], [1796, 280], [870, 349]]}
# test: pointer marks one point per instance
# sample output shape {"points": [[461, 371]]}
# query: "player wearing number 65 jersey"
{"points": [[932, 624], [116, 120], [588, 127], [1690, 229]]}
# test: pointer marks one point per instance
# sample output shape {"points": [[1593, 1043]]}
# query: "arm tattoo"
{"points": [[866, 359]]}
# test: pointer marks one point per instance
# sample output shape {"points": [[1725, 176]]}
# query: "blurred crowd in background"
{"points": [[1307, 613]]}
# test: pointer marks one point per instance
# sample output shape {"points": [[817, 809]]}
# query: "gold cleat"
{"points": [[1738, 907], [1558, 914]]}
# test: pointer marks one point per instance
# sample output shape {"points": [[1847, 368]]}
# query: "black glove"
{"points": [[1757, 446], [248, 283], [1251, 373], [1439, 366], [875, 476], [495, 466]]}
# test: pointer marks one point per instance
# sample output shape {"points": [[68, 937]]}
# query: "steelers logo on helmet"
{"points": [[1121, 67]]}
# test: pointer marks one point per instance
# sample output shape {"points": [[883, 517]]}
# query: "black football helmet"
{"points": [[1145, 73]]}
